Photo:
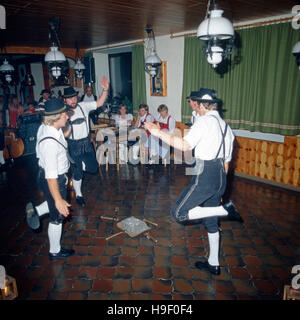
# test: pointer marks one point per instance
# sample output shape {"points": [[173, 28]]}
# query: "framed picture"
{"points": [[158, 84]]}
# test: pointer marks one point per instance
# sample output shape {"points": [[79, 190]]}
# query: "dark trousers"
{"points": [[82, 151], [55, 216], [205, 190]]}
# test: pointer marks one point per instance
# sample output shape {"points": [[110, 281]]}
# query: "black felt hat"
{"points": [[45, 91], [70, 92], [205, 95], [55, 106]]}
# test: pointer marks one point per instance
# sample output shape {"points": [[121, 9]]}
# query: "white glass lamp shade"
{"points": [[215, 57], [79, 65], [55, 55], [153, 72], [153, 59], [8, 77], [6, 67], [215, 26], [296, 48], [56, 72]]}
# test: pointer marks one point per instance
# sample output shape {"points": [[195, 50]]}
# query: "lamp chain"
{"points": [[207, 9]]}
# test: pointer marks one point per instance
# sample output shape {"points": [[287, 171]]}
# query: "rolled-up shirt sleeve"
{"points": [[193, 137], [229, 138]]}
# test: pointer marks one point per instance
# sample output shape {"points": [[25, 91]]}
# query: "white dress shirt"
{"points": [[194, 117], [52, 156], [80, 131], [206, 137], [123, 122], [87, 98]]}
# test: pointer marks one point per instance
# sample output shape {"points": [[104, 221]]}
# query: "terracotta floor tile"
{"points": [[256, 257]]}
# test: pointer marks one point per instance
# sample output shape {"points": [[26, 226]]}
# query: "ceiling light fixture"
{"points": [[7, 70], [152, 60], [79, 66], [218, 35], [54, 59], [296, 53]]}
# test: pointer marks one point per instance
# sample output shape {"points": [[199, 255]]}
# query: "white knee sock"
{"points": [[2, 161], [206, 212], [77, 187], [213, 239], [42, 208], [54, 234]]}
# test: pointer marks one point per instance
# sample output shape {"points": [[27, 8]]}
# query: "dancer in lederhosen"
{"points": [[212, 140], [80, 146], [51, 150]]}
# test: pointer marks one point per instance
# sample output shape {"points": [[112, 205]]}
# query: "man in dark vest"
{"points": [[80, 147]]}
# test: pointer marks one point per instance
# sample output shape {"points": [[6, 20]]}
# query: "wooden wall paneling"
{"points": [[296, 175], [273, 161]]}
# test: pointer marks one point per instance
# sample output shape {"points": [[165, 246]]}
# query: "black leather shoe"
{"points": [[80, 201], [32, 216], [215, 270], [182, 218], [233, 214], [63, 253]]}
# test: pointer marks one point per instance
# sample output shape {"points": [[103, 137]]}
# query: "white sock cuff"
{"points": [[206, 212], [213, 239], [42, 208], [54, 234], [77, 187]]}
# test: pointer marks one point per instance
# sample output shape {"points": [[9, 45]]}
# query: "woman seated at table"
{"points": [[143, 116], [123, 120], [167, 124]]}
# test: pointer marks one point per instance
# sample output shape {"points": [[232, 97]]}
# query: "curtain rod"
{"points": [[115, 46], [254, 24]]}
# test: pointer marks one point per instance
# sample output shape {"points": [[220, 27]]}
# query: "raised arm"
{"points": [[103, 96]]}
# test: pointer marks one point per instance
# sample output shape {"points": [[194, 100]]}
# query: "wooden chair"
{"points": [[105, 148]]}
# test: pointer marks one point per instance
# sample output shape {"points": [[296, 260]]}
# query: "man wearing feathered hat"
{"points": [[212, 139], [79, 144]]}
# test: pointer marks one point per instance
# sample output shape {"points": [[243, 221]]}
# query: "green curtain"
{"points": [[138, 77], [262, 92]]}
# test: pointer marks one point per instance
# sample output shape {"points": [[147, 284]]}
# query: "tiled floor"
{"points": [[256, 257]]}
